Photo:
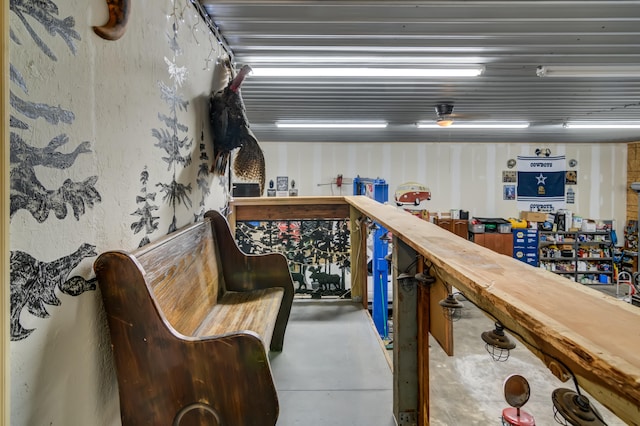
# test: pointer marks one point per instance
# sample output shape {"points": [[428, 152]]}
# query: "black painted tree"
{"points": [[34, 282], [27, 192]]}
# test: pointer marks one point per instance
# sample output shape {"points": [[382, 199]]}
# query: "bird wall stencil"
{"points": [[230, 130], [34, 283]]}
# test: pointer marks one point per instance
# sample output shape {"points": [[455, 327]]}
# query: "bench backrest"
{"points": [[183, 271]]}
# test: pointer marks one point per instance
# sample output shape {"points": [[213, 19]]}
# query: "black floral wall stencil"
{"points": [[202, 181], [147, 220], [173, 139], [33, 282]]}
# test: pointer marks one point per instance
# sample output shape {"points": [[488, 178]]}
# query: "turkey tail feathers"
{"points": [[249, 162], [219, 166]]}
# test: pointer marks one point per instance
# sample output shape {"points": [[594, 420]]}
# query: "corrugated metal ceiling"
{"points": [[510, 38]]}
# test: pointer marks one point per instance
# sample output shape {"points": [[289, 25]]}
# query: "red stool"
{"points": [[516, 393], [513, 416]]}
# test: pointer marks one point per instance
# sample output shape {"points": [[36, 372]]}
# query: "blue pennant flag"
{"points": [[541, 183]]}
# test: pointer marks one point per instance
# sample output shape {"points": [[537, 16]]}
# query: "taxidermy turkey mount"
{"points": [[230, 130]]}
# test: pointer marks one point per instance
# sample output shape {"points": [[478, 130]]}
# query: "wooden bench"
{"points": [[192, 319]]}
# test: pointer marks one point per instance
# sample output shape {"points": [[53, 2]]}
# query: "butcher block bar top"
{"points": [[572, 328], [596, 336]]}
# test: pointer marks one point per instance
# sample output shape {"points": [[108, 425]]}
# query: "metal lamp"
{"points": [[497, 343]]}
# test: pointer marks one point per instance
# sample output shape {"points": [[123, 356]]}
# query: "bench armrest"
{"points": [[245, 272]]}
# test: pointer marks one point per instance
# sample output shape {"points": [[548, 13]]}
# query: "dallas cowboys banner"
{"points": [[541, 183]]}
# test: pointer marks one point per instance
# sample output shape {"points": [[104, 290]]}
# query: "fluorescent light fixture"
{"points": [[331, 124], [428, 59], [477, 125], [588, 71], [366, 72], [602, 125]]}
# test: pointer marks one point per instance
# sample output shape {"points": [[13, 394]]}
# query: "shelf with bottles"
{"points": [[555, 237], [594, 277], [629, 261], [559, 266], [584, 256], [631, 236], [596, 253]]}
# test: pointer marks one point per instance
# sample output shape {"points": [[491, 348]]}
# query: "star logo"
{"points": [[541, 179]]}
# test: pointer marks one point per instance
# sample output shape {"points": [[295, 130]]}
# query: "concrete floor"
{"points": [[335, 371], [468, 387]]}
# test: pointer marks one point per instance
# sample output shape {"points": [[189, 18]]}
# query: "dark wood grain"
{"points": [[244, 272], [190, 338]]}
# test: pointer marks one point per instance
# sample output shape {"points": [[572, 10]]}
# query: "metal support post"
{"points": [[405, 336]]}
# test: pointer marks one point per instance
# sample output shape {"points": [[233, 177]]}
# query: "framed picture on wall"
{"points": [[282, 186], [509, 176], [509, 192], [282, 183]]}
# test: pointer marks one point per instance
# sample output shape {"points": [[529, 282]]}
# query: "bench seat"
{"points": [[253, 311], [192, 320]]}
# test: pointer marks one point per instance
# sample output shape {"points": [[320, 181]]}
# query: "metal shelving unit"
{"points": [[585, 257]]}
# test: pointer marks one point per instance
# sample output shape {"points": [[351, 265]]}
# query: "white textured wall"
{"points": [[464, 176], [62, 371]]}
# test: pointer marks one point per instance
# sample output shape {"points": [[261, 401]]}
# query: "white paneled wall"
{"points": [[460, 175]]}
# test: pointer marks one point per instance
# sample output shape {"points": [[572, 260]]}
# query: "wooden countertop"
{"points": [[595, 335]]}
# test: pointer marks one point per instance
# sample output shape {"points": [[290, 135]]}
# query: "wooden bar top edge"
{"points": [[593, 332]]}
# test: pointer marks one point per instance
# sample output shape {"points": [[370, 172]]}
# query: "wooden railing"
{"points": [[573, 329]]}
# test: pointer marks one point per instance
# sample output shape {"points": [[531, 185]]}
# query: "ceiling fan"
{"points": [[445, 116]]}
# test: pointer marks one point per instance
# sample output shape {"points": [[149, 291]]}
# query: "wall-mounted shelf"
{"points": [[585, 257]]}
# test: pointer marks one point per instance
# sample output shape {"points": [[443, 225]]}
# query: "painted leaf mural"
{"points": [[173, 139], [202, 180]]}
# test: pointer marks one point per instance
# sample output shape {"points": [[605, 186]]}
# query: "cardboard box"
{"points": [[533, 216]]}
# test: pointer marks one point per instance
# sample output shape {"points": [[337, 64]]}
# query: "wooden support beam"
{"points": [[424, 325], [440, 327], [5, 369], [283, 208], [358, 258], [431, 320]]}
